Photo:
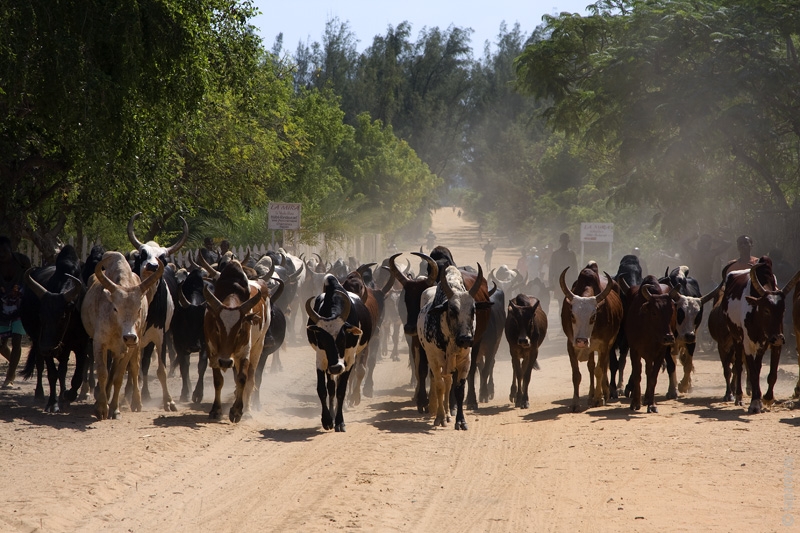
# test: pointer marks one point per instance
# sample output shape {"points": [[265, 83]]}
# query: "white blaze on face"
{"points": [[584, 309], [688, 308], [332, 327]]}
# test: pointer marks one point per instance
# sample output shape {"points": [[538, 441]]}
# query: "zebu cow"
{"points": [[161, 308], [236, 321], [525, 329], [510, 281], [50, 314], [446, 329], [590, 317], [689, 306], [339, 327], [650, 326], [753, 308], [114, 313], [629, 274]]}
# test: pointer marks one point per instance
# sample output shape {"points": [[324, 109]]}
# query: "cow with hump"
{"points": [[339, 327], [113, 312], [748, 319], [236, 321], [446, 329], [591, 318], [525, 329]]}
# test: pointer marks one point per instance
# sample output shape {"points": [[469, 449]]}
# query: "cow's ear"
{"points": [[752, 300], [353, 330], [484, 305], [438, 309], [253, 317], [107, 294]]}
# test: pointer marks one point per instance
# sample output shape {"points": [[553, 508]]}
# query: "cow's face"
{"points": [[583, 311], [658, 312], [688, 315], [763, 322], [458, 310], [336, 343], [228, 333], [128, 307], [519, 324]]}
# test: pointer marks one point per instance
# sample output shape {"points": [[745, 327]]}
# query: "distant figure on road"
{"points": [[744, 244], [700, 259], [561, 259], [430, 240], [488, 250]]}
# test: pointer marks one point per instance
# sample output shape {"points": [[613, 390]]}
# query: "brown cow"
{"points": [[236, 321], [650, 323], [590, 317], [113, 313], [526, 327]]}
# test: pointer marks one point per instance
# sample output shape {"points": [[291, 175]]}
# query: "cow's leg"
{"points": [[516, 379], [219, 380], [797, 350], [448, 387], [81, 361], [601, 392], [167, 401], [738, 358], [322, 392], [147, 354], [52, 381], [670, 359], [202, 365], [396, 340], [372, 359], [241, 371], [39, 361], [486, 390], [653, 369], [133, 376], [422, 377], [183, 360], [354, 398], [472, 399], [341, 388], [753, 377], [255, 403], [527, 369], [772, 377], [687, 361], [100, 392], [276, 365], [174, 362], [461, 422], [635, 380], [88, 379], [576, 378], [726, 359], [591, 365], [613, 364], [437, 403]]}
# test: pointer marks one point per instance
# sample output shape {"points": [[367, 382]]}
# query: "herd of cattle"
{"points": [[234, 314]]}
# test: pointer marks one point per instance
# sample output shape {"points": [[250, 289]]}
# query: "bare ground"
{"points": [[697, 465]]}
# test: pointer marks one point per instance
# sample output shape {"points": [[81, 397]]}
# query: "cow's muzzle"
{"points": [[581, 342], [524, 342], [130, 339], [464, 341], [225, 362], [777, 340], [668, 340], [336, 369], [690, 338]]}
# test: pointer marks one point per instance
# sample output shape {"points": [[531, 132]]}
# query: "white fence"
{"points": [[367, 248]]}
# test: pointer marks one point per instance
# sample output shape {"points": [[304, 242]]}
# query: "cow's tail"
{"points": [[30, 365]]}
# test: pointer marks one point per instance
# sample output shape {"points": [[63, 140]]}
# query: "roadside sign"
{"points": [[284, 216], [597, 232]]}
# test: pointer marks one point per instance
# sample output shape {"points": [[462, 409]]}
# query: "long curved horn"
{"points": [[754, 280], [153, 279], [101, 277], [177, 246], [711, 295], [192, 264], [387, 288], [321, 262], [247, 256], [473, 291], [182, 300], [34, 285], [293, 276], [312, 315], [131, 234], [273, 297], [792, 282], [408, 267], [492, 277], [562, 281], [675, 294], [395, 272], [363, 268], [347, 305], [448, 290], [211, 300], [249, 304], [607, 290], [432, 265], [76, 290], [493, 290], [645, 290], [208, 268]]}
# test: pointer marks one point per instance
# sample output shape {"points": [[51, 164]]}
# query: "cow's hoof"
{"points": [[472, 406], [635, 407], [755, 407], [438, 421], [116, 415], [683, 388], [672, 395], [339, 428], [184, 397], [597, 402], [461, 425], [69, 396], [525, 404], [39, 394], [614, 394], [575, 408], [170, 406], [422, 409], [367, 392], [215, 414], [197, 396], [145, 395], [652, 409], [727, 398], [628, 391]]}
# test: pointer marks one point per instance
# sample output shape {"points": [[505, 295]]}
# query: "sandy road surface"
{"points": [[697, 465]]}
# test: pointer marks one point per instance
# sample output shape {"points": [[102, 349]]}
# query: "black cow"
{"points": [[484, 352], [629, 272], [87, 271], [339, 327], [188, 334], [50, 314], [525, 329]]}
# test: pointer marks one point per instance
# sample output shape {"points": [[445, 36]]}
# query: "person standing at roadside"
{"points": [[12, 274], [744, 244], [562, 258]]}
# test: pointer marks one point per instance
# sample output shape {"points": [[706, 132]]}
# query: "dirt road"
{"points": [[697, 465]]}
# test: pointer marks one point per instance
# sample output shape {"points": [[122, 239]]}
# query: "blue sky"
{"points": [[305, 20]]}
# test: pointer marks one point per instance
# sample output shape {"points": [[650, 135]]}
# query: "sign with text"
{"points": [[284, 216], [597, 232]]}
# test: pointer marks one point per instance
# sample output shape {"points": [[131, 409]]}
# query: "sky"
{"points": [[304, 20]]}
